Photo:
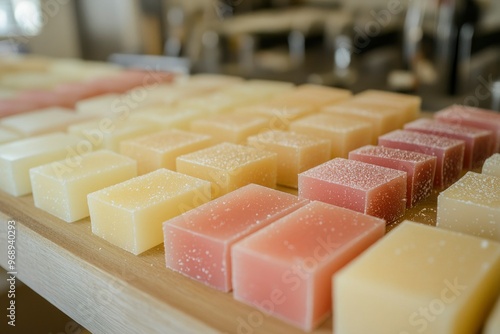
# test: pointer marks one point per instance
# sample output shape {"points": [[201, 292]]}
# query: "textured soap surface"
{"points": [[230, 166], [296, 153], [449, 152], [61, 187], [130, 214], [471, 205], [198, 243], [295, 258], [418, 279], [492, 165], [161, 149], [359, 186], [419, 168]]}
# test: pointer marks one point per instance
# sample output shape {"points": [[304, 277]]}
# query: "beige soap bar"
{"points": [[230, 166], [161, 149], [471, 205], [17, 157], [165, 117], [492, 165], [130, 214], [315, 95], [7, 136], [61, 187], [418, 279]]}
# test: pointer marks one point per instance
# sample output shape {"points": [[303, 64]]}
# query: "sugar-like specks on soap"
{"points": [[392, 153], [422, 139], [476, 188]]}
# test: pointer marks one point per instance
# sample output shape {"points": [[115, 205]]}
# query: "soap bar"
{"points": [[475, 117], [14, 106], [380, 108], [285, 269], [44, 99], [104, 105], [230, 166], [257, 89], [493, 323], [344, 134], [231, 128], [366, 188], [42, 121], [161, 149], [17, 157], [492, 165], [471, 205], [315, 95], [477, 141], [7, 136], [449, 152], [130, 214], [419, 168], [167, 117], [418, 279], [296, 153], [198, 243], [61, 187], [126, 80]]}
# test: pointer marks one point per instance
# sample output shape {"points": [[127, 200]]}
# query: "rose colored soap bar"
{"points": [[374, 190], [477, 141], [419, 168], [492, 165], [418, 279], [161, 149], [493, 323], [14, 106], [475, 117], [449, 152], [344, 134], [61, 188], [130, 214], [230, 166], [285, 269], [198, 243], [296, 152], [471, 205]]}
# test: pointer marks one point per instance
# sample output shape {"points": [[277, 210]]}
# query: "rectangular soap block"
{"points": [[366, 188], [198, 243], [418, 279], [17, 157], [7, 136], [477, 141], [130, 214], [161, 149], [61, 187], [344, 134], [104, 105], [296, 153], [315, 95], [230, 166], [167, 117], [471, 205], [492, 165], [492, 325], [449, 152], [419, 168], [285, 269]]}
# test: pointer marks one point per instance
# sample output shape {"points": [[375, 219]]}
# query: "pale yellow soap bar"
{"points": [[230, 166], [7, 136], [257, 89], [161, 149], [232, 128], [471, 205], [493, 323], [492, 165], [408, 105], [418, 279], [130, 214], [61, 187], [315, 95], [345, 134], [105, 105], [17, 157], [296, 152], [167, 117]]}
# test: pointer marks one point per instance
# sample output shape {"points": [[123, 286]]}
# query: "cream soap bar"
{"points": [[285, 269], [198, 243], [471, 205], [492, 165], [296, 152], [130, 214], [17, 157], [61, 188], [418, 279], [366, 188], [229, 166], [7, 136], [315, 95], [161, 149], [344, 134]]}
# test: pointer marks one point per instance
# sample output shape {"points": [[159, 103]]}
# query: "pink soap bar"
{"points": [[45, 99], [419, 168], [76, 91], [285, 269], [198, 242], [476, 117], [124, 81], [366, 188], [477, 141], [14, 106], [449, 152]]}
